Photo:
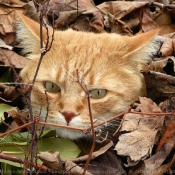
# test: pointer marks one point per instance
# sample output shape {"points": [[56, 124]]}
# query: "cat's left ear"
{"points": [[28, 33], [143, 47]]}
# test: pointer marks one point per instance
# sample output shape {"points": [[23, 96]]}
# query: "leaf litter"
{"points": [[145, 142]]}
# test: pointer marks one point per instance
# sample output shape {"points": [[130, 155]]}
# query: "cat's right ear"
{"points": [[28, 34]]}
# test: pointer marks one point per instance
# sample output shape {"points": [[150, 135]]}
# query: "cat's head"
{"points": [[105, 66]]}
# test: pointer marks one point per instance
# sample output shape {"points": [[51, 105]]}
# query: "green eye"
{"points": [[98, 93], [51, 87]]}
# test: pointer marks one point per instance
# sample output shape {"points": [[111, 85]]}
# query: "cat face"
{"points": [[105, 67]]}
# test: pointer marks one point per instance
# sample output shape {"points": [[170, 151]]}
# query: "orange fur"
{"points": [[103, 61]]}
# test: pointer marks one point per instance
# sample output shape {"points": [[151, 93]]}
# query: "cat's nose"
{"points": [[68, 115]]}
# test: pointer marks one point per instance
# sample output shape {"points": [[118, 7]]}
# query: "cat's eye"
{"points": [[98, 93], [51, 87]]}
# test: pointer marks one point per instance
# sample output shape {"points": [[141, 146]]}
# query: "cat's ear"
{"points": [[143, 47], [28, 34]]}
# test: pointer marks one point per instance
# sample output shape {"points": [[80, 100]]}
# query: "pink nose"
{"points": [[68, 115]]}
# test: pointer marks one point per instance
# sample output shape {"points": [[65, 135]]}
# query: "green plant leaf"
{"points": [[66, 148], [22, 137], [17, 145], [6, 169]]}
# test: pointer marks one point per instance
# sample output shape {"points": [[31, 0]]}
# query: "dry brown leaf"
{"points": [[143, 132], [161, 170], [168, 106], [105, 159], [10, 95], [147, 23], [167, 48], [163, 18], [11, 59], [61, 15], [13, 3], [17, 116], [169, 134], [72, 168], [8, 19], [95, 154], [51, 160], [154, 163], [159, 86], [120, 10], [31, 11], [4, 45], [122, 17], [165, 65]]}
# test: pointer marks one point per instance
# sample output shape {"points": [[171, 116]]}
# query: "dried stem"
{"points": [[47, 100], [85, 130], [21, 161], [46, 49], [118, 129], [163, 6], [92, 123], [93, 136]]}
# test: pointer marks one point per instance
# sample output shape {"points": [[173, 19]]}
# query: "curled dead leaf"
{"points": [[51, 160], [153, 164], [147, 23], [159, 85], [10, 95], [72, 168], [169, 134], [164, 66], [167, 48], [95, 154], [142, 132]]}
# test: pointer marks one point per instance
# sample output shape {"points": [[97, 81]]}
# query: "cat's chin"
{"points": [[71, 134]]}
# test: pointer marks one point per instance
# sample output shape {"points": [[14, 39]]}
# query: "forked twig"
{"points": [[92, 124]]}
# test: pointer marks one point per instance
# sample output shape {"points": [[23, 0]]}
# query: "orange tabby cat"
{"points": [[107, 65]]}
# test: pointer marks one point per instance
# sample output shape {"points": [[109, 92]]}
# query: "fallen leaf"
{"points": [[10, 95], [61, 15], [142, 133], [159, 86], [168, 106], [122, 17], [167, 48], [51, 160], [95, 154], [9, 11], [165, 168], [10, 58], [165, 65], [4, 45], [13, 3], [169, 134], [156, 163], [152, 164], [72, 168], [147, 23]]}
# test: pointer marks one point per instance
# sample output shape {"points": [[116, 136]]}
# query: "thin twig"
{"points": [[21, 161], [86, 130], [163, 6], [92, 123], [47, 113], [93, 136], [41, 123], [127, 111]]}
